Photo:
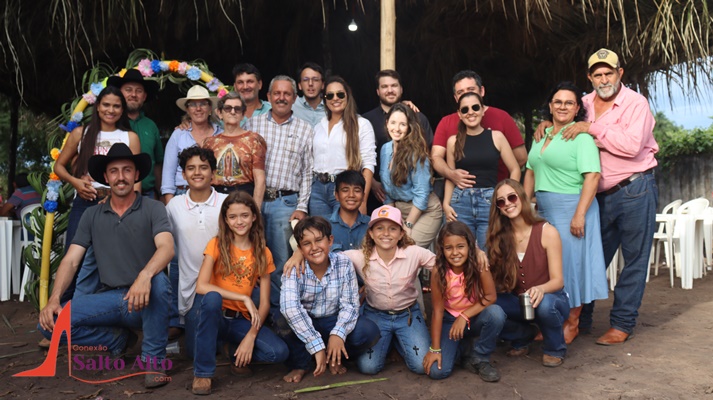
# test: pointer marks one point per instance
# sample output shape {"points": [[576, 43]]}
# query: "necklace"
{"points": [[525, 236]]}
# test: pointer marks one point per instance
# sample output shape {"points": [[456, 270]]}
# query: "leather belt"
{"points": [[324, 177], [272, 194], [230, 314], [627, 181]]}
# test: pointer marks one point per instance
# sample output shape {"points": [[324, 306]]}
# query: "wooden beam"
{"points": [[388, 34]]}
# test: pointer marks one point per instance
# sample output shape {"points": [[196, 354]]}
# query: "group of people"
{"points": [[274, 258]]}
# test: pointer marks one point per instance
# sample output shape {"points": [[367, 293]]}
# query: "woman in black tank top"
{"points": [[477, 150]]}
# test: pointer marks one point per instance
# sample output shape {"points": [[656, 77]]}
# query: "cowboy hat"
{"points": [[118, 151], [133, 75], [197, 93]]}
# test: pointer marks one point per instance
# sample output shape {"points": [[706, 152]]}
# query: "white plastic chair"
{"points": [[613, 269], [686, 215], [27, 275], [663, 238]]}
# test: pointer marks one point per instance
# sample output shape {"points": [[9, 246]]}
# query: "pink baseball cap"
{"points": [[393, 214]]}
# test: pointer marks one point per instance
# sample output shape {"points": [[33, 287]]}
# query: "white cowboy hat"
{"points": [[197, 93]]}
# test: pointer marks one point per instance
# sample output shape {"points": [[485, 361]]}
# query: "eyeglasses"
{"points": [[198, 104], [512, 198], [313, 79], [231, 109], [340, 95], [566, 104], [474, 107]]}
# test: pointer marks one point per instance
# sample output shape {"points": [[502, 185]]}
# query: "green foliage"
{"points": [[675, 142]]}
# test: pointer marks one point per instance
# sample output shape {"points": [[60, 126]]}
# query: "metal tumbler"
{"points": [[528, 313]]}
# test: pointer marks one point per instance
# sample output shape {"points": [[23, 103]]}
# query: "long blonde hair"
{"points": [[501, 237], [227, 265], [351, 124]]}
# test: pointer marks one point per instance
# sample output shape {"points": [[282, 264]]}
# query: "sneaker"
{"points": [[157, 379], [487, 372], [201, 386]]}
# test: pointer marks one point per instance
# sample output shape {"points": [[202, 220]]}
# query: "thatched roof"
{"points": [[520, 47]]}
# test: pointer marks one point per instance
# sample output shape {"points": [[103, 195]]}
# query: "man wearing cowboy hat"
{"points": [[137, 91], [133, 244]]}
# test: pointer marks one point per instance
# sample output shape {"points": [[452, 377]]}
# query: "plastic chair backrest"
{"points": [[25, 218], [693, 207], [670, 208]]}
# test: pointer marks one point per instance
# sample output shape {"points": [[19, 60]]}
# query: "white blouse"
{"points": [[329, 149]]}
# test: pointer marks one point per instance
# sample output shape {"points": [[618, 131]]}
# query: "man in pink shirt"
{"points": [[494, 118], [621, 123]]}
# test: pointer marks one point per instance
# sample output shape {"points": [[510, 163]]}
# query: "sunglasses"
{"points": [[511, 198], [474, 107], [340, 95], [231, 109]]}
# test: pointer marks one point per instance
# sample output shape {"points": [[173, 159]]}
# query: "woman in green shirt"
{"points": [[564, 174]]}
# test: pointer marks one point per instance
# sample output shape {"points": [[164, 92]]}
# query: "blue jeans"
{"points": [[550, 315], [174, 275], [191, 320], [486, 325], [79, 205], [473, 208], [103, 319], [365, 334], [213, 326], [88, 275], [628, 219], [278, 230], [322, 201], [411, 341]]}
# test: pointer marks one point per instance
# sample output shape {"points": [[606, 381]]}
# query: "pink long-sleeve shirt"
{"points": [[624, 135]]}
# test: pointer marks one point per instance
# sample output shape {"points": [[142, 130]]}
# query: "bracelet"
{"points": [[467, 320], [435, 351]]}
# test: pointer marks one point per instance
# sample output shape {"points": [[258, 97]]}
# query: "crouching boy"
{"points": [[321, 306]]}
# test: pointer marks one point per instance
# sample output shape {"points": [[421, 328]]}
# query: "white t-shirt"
{"points": [[193, 226], [104, 142]]}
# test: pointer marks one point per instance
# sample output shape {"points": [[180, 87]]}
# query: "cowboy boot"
{"points": [[571, 325]]}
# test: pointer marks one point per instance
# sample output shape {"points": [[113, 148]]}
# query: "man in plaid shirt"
{"points": [[288, 172], [322, 305]]}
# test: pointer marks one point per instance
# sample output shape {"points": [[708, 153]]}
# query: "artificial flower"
{"points": [[173, 66], [193, 73], [145, 67], [54, 185], [54, 177], [50, 206], [90, 98], [69, 127], [77, 117], [222, 92], [164, 66], [54, 153], [52, 195], [96, 88], [214, 84], [156, 66]]}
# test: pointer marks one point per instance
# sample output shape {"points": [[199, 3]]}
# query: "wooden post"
{"points": [[388, 34]]}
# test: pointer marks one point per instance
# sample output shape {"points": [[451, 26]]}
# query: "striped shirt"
{"points": [[288, 163], [307, 297]]}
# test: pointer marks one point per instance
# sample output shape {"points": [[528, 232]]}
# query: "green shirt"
{"points": [[150, 144], [560, 168], [265, 106]]}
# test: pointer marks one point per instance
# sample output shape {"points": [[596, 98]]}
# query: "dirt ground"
{"points": [[670, 356]]}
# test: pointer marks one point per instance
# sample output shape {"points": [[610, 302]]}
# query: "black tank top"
{"points": [[481, 159]]}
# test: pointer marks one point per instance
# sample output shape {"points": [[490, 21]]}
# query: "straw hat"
{"points": [[197, 93]]}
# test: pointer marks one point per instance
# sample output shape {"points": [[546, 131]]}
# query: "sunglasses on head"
{"points": [[340, 95], [512, 198], [474, 107]]}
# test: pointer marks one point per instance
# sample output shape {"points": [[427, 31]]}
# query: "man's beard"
{"points": [[609, 90]]}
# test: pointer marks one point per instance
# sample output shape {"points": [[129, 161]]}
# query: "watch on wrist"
{"points": [[408, 225]]}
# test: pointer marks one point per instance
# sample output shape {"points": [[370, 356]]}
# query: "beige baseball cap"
{"points": [[604, 56]]}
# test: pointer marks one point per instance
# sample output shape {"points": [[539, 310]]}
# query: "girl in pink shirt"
{"points": [[464, 288]]}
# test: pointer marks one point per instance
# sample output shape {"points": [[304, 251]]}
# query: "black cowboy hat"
{"points": [[133, 75], [118, 151]]}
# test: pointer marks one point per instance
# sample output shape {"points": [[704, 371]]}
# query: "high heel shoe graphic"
{"points": [[49, 366]]}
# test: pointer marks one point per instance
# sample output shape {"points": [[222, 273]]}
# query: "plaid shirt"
{"points": [[288, 163], [307, 297]]}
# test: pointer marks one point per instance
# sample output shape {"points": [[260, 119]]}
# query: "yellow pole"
{"points": [[388, 34], [45, 266]]}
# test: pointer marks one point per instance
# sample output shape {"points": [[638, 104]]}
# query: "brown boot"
{"points": [[571, 325], [201, 386]]}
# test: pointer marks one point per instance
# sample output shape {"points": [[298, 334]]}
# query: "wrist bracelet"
{"points": [[467, 320], [435, 351]]}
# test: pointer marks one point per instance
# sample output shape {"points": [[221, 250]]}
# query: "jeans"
{"points": [[278, 230], [79, 205], [213, 326], [473, 208], [174, 275], [88, 275], [628, 219], [103, 319], [486, 325], [322, 201], [411, 341], [365, 334], [550, 315]]}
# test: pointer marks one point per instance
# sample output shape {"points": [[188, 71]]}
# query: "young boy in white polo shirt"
{"points": [[194, 221]]}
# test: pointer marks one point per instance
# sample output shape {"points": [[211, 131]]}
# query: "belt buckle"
{"points": [[271, 193], [225, 315]]}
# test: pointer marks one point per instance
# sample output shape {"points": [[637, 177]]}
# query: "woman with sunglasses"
{"points": [[525, 254], [477, 150], [564, 174], [240, 153], [198, 105], [343, 140]]}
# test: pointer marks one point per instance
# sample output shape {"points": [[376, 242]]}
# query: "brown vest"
{"points": [[534, 269]]}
